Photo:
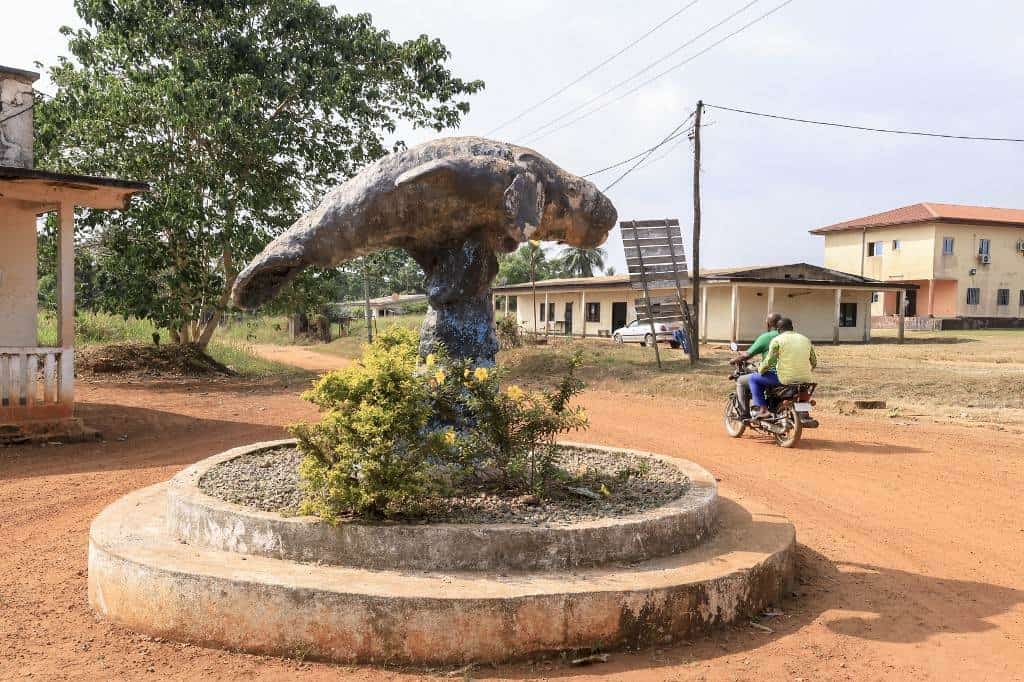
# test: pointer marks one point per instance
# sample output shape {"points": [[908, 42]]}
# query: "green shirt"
{"points": [[760, 346], [792, 357]]}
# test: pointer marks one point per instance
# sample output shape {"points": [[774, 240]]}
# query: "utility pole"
{"points": [[695, 277]]}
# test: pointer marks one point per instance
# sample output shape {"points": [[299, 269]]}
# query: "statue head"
{"points": [[429, 198]]}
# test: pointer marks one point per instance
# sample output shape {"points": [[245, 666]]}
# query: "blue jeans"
{"points": [[759, 383], [679, 337]]}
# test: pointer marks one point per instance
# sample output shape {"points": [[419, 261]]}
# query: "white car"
{"points": [[639, 331]]}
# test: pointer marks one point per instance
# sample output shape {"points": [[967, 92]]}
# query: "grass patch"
{"points": [[269, 330], [351, 346], [968, 375], [93, 329], [242, 359]]}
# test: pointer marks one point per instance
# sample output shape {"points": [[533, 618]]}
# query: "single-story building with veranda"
{"points": [[826, 305], [37, 382]]}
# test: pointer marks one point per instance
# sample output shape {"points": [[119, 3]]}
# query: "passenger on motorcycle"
{"points": [[759, 347], [790, 360]]}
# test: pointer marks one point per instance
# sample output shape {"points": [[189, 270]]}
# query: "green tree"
{"points": [[528, 263], [579, 262], [241, 114]]}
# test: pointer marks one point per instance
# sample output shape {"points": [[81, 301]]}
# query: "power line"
{"points": [[666, 153], [642, 71], [592, 70], [666, 71], [852, 126], [634, 157], [668, 138]]}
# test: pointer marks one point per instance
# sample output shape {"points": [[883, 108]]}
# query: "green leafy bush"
{"points": [[372, 453], [398, 432], [508, 332]]}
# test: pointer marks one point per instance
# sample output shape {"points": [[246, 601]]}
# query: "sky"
{"points": [[934, 65]]}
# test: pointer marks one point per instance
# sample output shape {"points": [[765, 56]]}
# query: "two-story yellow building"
{"points": [[968, 261]]}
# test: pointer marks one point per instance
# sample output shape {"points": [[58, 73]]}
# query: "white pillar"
{"points": [[867, 321], [836, 315], [771, 301], [704, 313], [547, 314], [66, 301], [506, 305], [901, 308], [583, 312], [734, 310]]}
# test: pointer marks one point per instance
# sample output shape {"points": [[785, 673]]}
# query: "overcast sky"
{"points": [[914, 64]]}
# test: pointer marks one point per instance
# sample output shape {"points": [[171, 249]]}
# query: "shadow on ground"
{"points": [[133, 438], [856, 600]]}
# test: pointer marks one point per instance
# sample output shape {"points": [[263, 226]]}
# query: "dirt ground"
{"points": [[911, 542]]}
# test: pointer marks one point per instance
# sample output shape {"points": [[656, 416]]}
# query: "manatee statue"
{"points": [[453, 204]]}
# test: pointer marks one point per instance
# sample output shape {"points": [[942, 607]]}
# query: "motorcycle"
{"points": [[789, 408]]}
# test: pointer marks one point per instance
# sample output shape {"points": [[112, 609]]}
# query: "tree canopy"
{"points": [[578, 262], [241, 114]]}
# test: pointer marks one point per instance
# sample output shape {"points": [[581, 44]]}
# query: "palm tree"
{"points": [[583, 262]]}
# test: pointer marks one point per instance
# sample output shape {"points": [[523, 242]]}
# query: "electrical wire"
{"points": [[667, 152], [592, 70], [668, 138], [666, 71], [635, 156], [637, 74], [852, 126]]}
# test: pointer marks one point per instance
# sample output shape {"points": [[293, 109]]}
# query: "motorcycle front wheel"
{"points": [[734, 426], [793, 428]]}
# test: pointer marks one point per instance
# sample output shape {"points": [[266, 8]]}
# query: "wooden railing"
{"points": [[33, 376]]}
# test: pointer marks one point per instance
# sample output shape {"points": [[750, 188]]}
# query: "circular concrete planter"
{"points": [[145, 578], [204, 521]]}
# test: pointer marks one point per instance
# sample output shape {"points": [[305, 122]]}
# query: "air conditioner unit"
{"points": [[984, 258], [1020, 246]]}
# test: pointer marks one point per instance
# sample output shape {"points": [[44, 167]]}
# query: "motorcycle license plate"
{"points": [[802, 407]]}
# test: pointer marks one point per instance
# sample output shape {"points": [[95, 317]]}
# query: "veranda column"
{"points": [[836, 315], [734, 309], [547, 315], [66, 302], [901, 306], [771, 302], [583, 312], [931, 297], [703, 313]]}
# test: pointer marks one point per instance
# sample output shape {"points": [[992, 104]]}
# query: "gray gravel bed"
{"points": [[269, 481]]}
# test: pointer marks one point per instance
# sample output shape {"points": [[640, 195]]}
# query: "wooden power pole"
{"points": [[695, 277], [368, 315]]}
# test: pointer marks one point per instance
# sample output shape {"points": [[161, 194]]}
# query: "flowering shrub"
{"points": [[371, 453], [397, 432]]}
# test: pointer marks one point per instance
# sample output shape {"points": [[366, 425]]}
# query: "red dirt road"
{"points": [[913, 540]]}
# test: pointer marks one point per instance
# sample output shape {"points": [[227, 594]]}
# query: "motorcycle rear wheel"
{"points": [[734, 426], [791, 436]]}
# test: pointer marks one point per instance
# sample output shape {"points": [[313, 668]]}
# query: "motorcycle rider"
{"points": [[759, 347], [790, 360]]}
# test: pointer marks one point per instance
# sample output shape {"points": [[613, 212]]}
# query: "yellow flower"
{"points": [[535, 243], [480, 374], [440, 376], [514, 392], [431, 359], [465, 373], [449, 437]]}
